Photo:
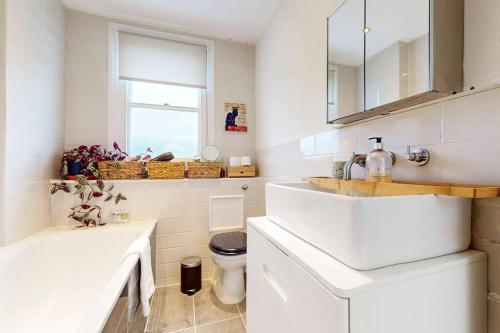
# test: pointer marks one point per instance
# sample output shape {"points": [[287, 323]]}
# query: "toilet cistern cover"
{"points": [[229, 243], [226, 213]]}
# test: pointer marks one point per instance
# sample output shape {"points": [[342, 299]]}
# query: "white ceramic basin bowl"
{"points": [[372, 232]]}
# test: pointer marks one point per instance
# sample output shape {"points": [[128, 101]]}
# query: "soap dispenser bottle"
{"points": [[379, 163]]}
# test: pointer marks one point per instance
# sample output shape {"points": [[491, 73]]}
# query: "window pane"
{"points": [[163, 130], [161, 94]]}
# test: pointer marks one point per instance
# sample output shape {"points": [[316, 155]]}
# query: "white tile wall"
{"points": [[35, 42], [181, 207], [418, 127], [472, 118], [464, 141], [461, 133], [334, 142]]}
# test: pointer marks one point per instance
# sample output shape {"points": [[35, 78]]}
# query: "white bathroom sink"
{"points": [[371, 232]]}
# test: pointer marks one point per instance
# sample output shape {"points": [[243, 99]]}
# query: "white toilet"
{"points": [[228, 247]]}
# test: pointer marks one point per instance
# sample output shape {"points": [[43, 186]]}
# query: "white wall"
{"points": [[291, 57], [418, 65], [3, 48], [86, 96], [461, 132], [34, 127], [482, 38], [290, 72], [348, 99], [181, 207], [384, 83], [87, 81], [234, 82]]}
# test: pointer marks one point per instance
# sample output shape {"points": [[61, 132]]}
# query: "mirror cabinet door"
{"points": [[397, 50], [346, 60]]}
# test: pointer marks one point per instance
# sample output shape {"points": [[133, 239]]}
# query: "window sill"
{"points": [[156, 181]]}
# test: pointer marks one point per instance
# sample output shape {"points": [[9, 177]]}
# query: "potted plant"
{"points": [[82, 161], [87, 212], [82, 165]]}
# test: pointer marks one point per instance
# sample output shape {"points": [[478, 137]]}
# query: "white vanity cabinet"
{"points": [[283, 297], [294, 287]]}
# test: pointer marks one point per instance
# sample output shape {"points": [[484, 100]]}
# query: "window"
{"points": [[163, 117], [160, 91]]}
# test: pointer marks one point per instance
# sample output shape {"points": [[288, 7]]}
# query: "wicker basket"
{"points": [[204, 169], [166, 170], [121, 170]]}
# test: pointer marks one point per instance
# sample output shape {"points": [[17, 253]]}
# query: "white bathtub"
{"points": [[66, 280]]}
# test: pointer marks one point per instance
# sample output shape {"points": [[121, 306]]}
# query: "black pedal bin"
{"points": [[190, 275]]}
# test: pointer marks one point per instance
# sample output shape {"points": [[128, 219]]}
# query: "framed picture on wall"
{"points": [[236, 117]]}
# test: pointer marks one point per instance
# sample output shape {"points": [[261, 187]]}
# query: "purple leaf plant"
{"points": [[86, 212]]}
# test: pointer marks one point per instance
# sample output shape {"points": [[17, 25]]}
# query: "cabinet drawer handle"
{"points": [[272, 281]]}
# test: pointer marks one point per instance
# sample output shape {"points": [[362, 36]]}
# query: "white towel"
{"points": [[142, 247]]}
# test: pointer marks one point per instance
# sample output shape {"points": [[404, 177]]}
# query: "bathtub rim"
{"points": [[97, 319]]}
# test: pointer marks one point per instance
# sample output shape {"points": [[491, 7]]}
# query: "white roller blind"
{"points": [[158, 60]]}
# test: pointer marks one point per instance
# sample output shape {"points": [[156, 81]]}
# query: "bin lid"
{"points": [[189, 262]]}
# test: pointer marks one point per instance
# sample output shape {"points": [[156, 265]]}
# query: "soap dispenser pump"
{"points": [[379, 163]]}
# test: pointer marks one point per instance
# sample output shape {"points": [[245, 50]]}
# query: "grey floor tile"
{"points": [[209, 309], [189, 330], [138, 324], [175, 289], [170, 311], [227, 326], [117, 315]]}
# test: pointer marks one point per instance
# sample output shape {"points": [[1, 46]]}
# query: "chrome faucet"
{"points": [[359, 159]]}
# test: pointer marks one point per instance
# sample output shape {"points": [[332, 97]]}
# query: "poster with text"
{"points": [[236, 117]]}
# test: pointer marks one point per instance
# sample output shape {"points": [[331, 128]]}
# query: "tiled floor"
{"points": [[172, 311]]}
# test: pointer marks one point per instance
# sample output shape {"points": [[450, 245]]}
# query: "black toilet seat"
{"points": [[229, 243]]}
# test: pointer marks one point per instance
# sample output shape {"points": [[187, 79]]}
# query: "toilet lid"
{"points": [[229, 243]]}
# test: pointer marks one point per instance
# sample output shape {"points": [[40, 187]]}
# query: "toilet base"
{"points": [[229, 285]]}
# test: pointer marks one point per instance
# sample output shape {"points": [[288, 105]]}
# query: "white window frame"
{"points": [[167, 108], [118, 108]]}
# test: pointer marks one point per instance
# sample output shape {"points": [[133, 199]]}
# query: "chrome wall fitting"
{"points": [[420, 156]]}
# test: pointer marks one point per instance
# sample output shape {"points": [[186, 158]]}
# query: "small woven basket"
{"points": [[121, 170], [166, 170], [198, 170]]}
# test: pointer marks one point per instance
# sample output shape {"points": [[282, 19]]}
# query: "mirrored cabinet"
{"points": [[385, 55], [346, 60]]}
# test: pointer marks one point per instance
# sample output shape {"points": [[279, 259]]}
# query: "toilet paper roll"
{"points": [[246, 161], [235, 162]]}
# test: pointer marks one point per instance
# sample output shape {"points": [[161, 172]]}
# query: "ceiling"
{"points": [[241, 20]]}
